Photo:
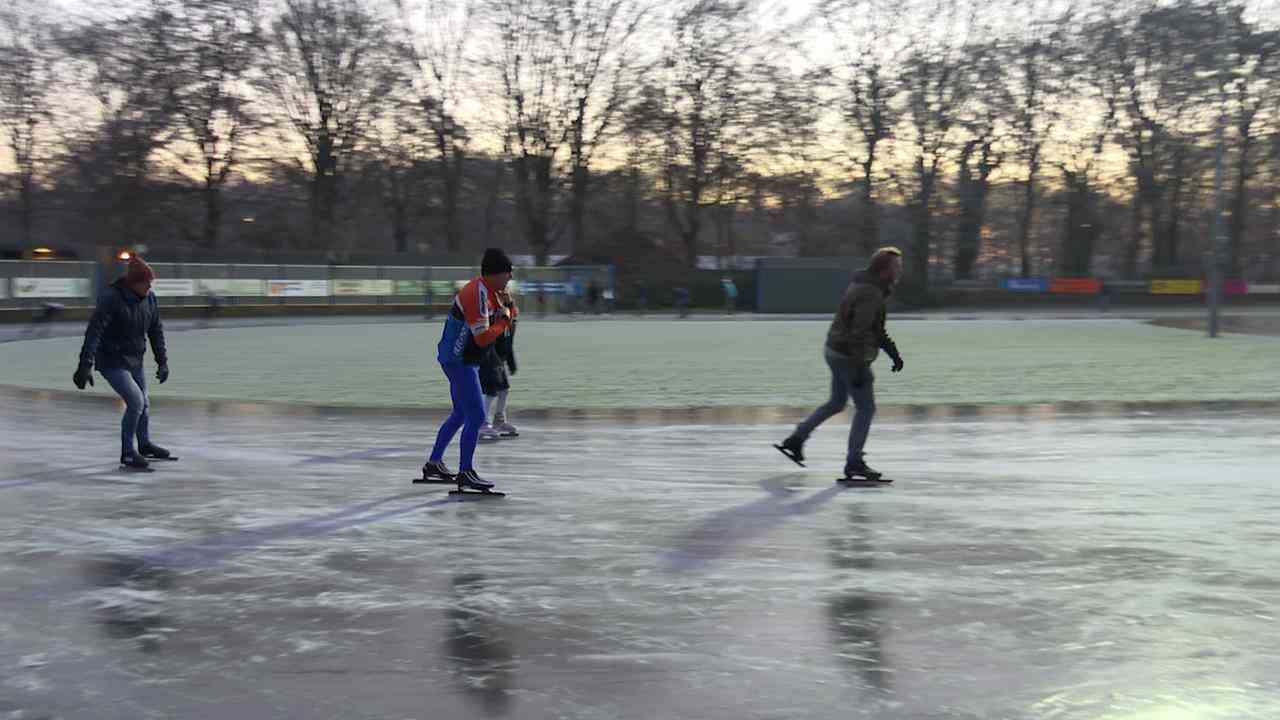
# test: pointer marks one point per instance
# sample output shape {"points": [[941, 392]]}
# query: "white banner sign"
{"points": [[298, 288], [362, 287], [168, 287], [1262, 289], [50, 287], [239, 287]]}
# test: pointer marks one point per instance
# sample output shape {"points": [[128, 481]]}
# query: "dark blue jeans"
{"points": [[849, 380], [131, 386]]}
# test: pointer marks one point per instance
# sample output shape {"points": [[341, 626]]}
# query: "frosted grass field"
{"points": [[605, 364]]}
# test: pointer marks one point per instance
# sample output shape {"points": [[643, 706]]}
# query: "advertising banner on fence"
{"points": [[1234, 287], [4, 288], [1263, 289], [231, 287], [170, 287], [1176, 287], [50, 287], [533, 287], [298, 288], [1030, 284], [409, 287], [361, 287], [1076, 286]]}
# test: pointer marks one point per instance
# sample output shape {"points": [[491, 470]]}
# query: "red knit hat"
{"points": [[139, 271]]}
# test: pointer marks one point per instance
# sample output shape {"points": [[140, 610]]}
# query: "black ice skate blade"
{"points": [[476, 494], [153, 458], [863, 481], [508, 436], [788, 455], [435, 481], [131, 469]]}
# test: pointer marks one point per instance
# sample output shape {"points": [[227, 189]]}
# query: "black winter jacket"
{"points": [[858, 329], [120, 327]]}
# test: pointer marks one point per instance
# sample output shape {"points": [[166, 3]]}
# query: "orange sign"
{"points": [[1076, 286]]}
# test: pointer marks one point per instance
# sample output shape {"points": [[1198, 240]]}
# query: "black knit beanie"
{"points": [[495, 261]]}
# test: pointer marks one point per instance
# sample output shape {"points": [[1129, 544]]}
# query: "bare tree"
{"points": [[987, 105], [217, 44], [564, 70], [27, 59], [331, 72], [1035, 82], [1251, 88], [641, 125], [436, 51], [872, 44], [395, 169], [705, 92], [936, 91], [1095, 94], [1160, 55], [131, 66], [788, 127]]}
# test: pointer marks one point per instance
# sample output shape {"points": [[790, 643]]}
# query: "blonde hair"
{"points": [[882, 258]]}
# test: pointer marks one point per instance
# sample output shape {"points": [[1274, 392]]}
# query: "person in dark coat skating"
{"points": [[126, 317]]}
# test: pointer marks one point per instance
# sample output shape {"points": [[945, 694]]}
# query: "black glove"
{"points": [[897, 362], [83, 376], [511, 365], [162, 372]]}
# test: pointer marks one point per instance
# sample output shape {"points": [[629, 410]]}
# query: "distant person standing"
{"points": [[730, 294], [682, 301], [212, 306], [593, 297], [126, 317], [428, 299], [642, 297], [42, 320], [854, 340]]}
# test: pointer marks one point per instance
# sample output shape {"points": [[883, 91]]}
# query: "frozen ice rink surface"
{"points": [[1028, 563]]}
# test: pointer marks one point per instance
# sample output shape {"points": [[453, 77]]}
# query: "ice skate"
{"points": [[155, 452], [133, 462], [504, 428], [470, 483], [793, 449], [860, 472], [437, 473]]}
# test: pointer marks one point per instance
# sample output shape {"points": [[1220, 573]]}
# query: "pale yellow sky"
{"points": [[818, 45]]}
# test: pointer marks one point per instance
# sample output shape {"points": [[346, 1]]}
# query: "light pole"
{"points": [[1219, 230], [1218, 246]]}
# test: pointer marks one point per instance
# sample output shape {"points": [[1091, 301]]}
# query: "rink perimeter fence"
{"points": [[781, 285], [30, 284]]}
